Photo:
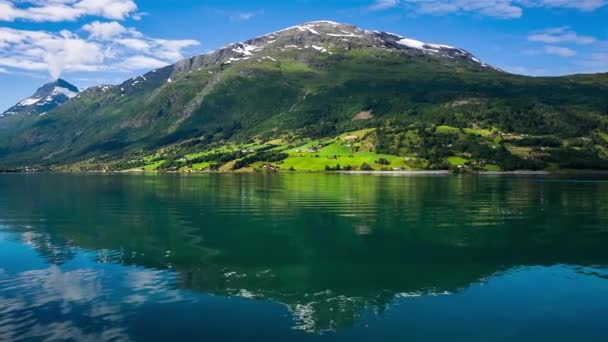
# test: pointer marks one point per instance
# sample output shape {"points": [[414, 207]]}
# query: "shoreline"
{"points": [[404, 172], [385, 173]]}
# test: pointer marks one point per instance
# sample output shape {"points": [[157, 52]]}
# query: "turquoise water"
{"points": [[303, 257]]}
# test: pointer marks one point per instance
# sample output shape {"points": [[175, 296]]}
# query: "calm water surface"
{"points": [[303, 258]]}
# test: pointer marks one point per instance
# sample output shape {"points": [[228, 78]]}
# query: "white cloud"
{"points": [[559, 41], [595, 62], [69, 52], [65, 10], [559, 51], [560, 35], [170, 49], [504, 9], [142, 62], [380, 5], [241, 16], [4, 71], [159, 48], [108, 47], [135, 44], [581, 5], [493, 8], [104, 31], [111, 9]]}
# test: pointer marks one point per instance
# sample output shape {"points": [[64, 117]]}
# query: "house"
{"points": [[351, 138], [270, 167], [315, 149]]}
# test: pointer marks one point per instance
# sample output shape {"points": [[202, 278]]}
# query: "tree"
{"points": [[383, 161], [366, 167]]}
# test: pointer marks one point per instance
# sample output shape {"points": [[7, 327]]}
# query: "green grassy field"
{"points": [[312, 163], [319, 154], [457, 161], [435, 147], [153, 166]]}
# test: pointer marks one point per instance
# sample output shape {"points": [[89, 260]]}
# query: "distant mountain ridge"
{"points": [[45, 99]]}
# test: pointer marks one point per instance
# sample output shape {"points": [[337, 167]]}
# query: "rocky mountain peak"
{"points": [[325, 37], [45, 99]]}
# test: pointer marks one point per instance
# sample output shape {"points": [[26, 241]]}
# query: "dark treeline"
{"points": [[265, 156]]}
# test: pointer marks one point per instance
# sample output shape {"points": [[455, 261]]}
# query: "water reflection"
{"points": [[40, 304], [328, 250]]}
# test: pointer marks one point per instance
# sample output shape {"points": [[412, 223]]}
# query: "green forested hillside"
{"points": [[253, 105]]}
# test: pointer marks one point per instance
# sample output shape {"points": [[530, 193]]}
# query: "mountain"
{"points": [[329, 38], [45, 99], [263, 102]]}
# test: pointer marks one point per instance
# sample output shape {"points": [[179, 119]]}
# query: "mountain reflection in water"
{"points": [[140, 257]]}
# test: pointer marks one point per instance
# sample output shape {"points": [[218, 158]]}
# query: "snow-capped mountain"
{"points": [[46, 98], [325, 37]]}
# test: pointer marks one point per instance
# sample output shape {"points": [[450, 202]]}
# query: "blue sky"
{"points": [[91, 42]]}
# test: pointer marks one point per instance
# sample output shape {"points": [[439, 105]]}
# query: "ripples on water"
{"points": [[301, 257]]}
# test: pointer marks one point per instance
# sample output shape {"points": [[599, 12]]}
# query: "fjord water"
{"points": [[303, 257]]}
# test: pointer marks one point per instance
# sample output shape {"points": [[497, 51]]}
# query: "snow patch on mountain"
{"points": [[309, 29], [29, 101], [414, 44], [321, 49], [65, 91], [244, 49]]}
